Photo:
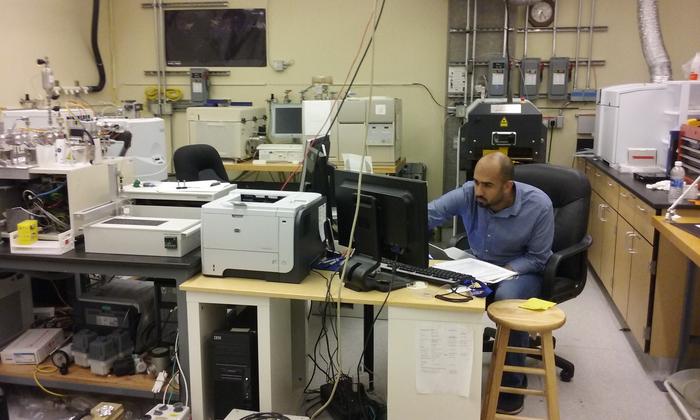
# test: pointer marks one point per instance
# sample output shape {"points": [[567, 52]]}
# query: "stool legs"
{"points": [[498, 359], [550, 377]]}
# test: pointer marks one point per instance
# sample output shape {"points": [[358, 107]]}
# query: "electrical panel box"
{"points": [[558, 81], [456, 80], [383, 128], [497, 78], [530, 72], [199, 85]]}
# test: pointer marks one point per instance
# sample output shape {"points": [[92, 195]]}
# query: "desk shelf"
{"points": [[79, 379]]}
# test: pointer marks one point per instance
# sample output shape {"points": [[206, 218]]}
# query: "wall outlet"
{"points": [[560, 121], [553, 121]]}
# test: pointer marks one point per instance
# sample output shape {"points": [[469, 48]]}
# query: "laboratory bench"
{"points": [[77, 261], [78, 379], [250, 166], [642, 277]]}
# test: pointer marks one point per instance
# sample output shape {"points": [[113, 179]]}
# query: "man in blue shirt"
{"points": [[510, 224]]}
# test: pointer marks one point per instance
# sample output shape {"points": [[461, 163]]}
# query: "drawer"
{"points": [[626, 205], [642, 219], [609, 189], [591, 175]]}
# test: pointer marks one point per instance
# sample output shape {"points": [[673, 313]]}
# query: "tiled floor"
{"points": [[610, 381]]}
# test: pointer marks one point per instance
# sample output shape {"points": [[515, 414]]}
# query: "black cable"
{"points": [[322, 333], [429, 93], [96, 48], [371, 329], [357, 70]]}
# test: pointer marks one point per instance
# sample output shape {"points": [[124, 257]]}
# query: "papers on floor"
{"points": [[445, 353], [481, 270]]}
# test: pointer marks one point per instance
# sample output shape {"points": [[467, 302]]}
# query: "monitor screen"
{"points": [[287, 120], [216, 38], [401, 207]]}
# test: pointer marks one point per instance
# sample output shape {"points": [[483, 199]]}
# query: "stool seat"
{"points": [[509, 314]]}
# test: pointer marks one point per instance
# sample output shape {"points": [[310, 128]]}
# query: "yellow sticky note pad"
{"points": [[535, 304]]}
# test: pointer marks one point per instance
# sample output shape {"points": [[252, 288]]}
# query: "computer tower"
{"points": [[235, 365]]}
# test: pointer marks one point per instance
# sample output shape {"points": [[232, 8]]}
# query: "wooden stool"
{"points": [[508, 316]]}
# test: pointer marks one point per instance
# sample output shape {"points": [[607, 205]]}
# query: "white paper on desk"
{"points": [[481, 270], [444, 355]]}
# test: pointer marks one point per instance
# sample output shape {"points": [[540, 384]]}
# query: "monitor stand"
{"points": [[363, 273]]}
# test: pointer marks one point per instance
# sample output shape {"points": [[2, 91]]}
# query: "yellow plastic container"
{"points": [[27, 232]]}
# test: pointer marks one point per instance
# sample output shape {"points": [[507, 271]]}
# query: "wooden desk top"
{"points": [[79, 376], [249, 166], [314, 288], [686, 242]]}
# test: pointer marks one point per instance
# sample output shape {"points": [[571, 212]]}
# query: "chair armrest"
{"points": [[550, 270], [459, 241]]}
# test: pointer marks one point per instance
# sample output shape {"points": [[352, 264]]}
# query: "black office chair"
{"points": [[565, 274], [199, 162]]}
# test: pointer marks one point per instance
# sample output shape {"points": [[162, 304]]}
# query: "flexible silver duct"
{"points": [[523, 2], [652, 42]]}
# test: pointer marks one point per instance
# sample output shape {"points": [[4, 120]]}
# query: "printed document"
{"points": [[444, 357]]}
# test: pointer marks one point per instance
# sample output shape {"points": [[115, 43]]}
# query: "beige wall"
{"points": [[58, 29], [321, 37]]}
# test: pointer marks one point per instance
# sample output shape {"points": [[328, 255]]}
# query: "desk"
{"points": [[689, 245], [249, 166], [282, 368], [79, 261]]}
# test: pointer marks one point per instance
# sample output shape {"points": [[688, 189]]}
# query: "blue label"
{"points": [[676, 183]]}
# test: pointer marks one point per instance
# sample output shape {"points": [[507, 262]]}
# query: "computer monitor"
{"points": [[285, 123], [393, 218], [317, 170]]}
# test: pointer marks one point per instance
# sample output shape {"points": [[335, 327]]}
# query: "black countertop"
{"points": [[78, 257], [656, 199]]}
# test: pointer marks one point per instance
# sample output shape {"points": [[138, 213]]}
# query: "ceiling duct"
{"points": [[652, 42]]}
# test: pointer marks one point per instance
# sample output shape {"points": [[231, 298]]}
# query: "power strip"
{"points": [[175, 411]]}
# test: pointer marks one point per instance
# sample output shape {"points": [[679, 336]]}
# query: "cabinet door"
{"points": [[594, 229], [623, 260], [607, 254], [640, 282]]}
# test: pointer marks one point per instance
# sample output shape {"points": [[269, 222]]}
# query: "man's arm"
{"points": [[539, 249], [447, 206]]}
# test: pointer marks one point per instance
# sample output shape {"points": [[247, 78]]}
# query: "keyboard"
{"points": [[427, 274]]}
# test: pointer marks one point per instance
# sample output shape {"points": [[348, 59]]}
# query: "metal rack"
{"points": [[689, 150]]}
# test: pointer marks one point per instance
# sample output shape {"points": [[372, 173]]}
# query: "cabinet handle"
{"points": [[596, 174], [642, 209], [623, 195], [631, 236], [628, 241], [611, 185], [601, 212]]}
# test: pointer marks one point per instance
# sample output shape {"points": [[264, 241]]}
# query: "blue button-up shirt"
{"points": [[519, 236]]}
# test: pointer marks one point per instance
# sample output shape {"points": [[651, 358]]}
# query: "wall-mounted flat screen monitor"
{"points": [[216, 38]]}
